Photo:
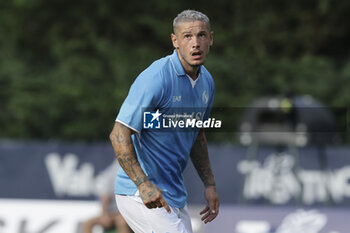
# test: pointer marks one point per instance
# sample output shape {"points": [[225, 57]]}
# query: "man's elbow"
{"points": [[119, 132], [111, 136]]}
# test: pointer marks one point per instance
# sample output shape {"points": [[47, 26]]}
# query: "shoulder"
{"points": [[153, 76], [154, 80], [158, 74], [157, 70]]}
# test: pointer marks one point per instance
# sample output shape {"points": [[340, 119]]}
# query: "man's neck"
{"points": [[191, 71]]}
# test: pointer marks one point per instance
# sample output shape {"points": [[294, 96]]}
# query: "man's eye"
{"points": [[187, 36]]}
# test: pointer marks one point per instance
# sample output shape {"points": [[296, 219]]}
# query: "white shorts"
{"points": [[144, 220]]}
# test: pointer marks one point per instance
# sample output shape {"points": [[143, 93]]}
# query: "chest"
{"points": [[184, 95]]}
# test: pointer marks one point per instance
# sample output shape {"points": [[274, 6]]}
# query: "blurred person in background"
{"points": [[110, 218], [150, 190]]}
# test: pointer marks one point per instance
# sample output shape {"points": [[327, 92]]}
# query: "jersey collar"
{"points": [[177, 66]]}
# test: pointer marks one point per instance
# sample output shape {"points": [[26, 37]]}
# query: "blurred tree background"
{"points": [[66, 66]]}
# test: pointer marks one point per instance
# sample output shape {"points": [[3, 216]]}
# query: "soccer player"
{"points": [[150, 190]]}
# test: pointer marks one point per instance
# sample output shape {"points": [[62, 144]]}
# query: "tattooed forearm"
{"points": [[123, 147], [125, 153], [200, 160], [140, 180]]}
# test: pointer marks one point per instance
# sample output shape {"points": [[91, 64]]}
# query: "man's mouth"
{"points": [[196, 55]]}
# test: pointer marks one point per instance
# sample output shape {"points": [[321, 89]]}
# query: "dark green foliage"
{"points": [[66, 66]]}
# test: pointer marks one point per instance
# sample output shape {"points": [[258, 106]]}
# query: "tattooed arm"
{"points": [[200, 160], [123, 147]]}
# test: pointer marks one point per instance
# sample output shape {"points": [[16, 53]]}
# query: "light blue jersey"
{"points": [[163, 154]]}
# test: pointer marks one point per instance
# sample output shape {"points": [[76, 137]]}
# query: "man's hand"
{"points": [[152, 196], [212, 209]]}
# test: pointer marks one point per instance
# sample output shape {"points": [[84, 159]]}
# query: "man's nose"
{"points": [[195, 43]]}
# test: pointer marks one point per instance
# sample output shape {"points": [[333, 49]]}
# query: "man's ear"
{"points": [[174, 40], [211, 38]]}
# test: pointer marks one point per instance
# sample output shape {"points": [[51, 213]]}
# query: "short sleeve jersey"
{"points": [[163, 154]]}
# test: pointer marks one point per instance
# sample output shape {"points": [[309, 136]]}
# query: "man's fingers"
{"points": [[205, 216], [151, 205], [212, 217], [209, 213], [204, 210], [159, 204], [208, 217], [165, 205]]}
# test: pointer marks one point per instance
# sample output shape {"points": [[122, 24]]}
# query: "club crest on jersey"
{"points": [[205, 97]]}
